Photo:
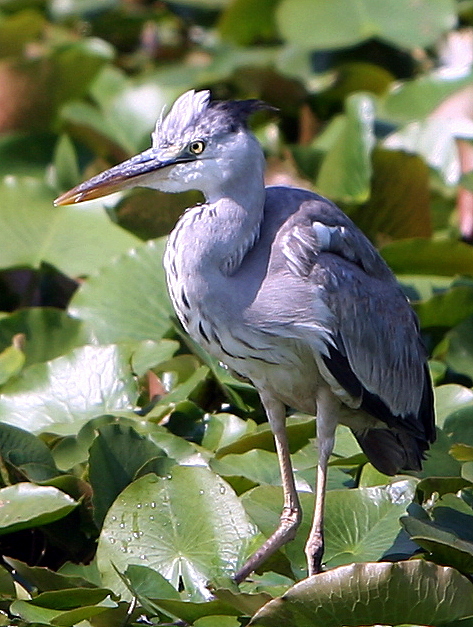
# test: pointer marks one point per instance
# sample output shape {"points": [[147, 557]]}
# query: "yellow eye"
{"points": [[197, 147]]}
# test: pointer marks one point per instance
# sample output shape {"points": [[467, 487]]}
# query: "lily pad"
{"points": [[127, 299], [416, 592], [26, 505], [150, 524], [76, 240], [62, 394]]}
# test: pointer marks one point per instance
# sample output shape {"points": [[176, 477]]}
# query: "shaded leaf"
{"points": [[44, 579], [446, 309], [424, 256], [116, 455], [399, 203], [443, 546], [22, 449], [459, 355], [373, 593], [48, 332], [242, 25]]}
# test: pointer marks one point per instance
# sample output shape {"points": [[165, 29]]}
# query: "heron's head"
{"points": [[200, 144]]}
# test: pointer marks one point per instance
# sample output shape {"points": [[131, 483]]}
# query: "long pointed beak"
{"points": [[121, 176]]}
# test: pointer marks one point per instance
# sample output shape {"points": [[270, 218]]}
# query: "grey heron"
{"points": [[280, 285]]}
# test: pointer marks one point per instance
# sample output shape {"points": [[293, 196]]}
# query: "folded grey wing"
{"points": [[374, 359]]}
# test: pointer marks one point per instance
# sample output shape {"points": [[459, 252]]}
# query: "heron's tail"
{"points": [[392, 450]]}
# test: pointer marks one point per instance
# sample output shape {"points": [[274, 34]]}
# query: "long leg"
{"points": [[291, 513], [327, 409]]}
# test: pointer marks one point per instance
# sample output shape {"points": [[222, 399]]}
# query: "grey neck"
{"points": [[220, 233]]}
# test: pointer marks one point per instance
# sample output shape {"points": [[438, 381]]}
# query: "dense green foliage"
{"points": [[136, 475]]}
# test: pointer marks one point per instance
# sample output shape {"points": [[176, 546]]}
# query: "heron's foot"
{"points": [[289, 522], [314, 551]]}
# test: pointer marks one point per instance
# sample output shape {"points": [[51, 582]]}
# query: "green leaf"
{"points": [[12, 360], [76, 240], [258, 466], [299, 430], [19, 29], [443, 546], [346, 171], [22, 449], [129, 108], [449, 398], [459, 425], [399, 203], [218, 621], [148, 354], [446, 309], [435, 140], [459, 354], [66, 167], [127, 299], [148, 583], [44, 579], [33, 613], [116, 455], [48, 332], [342, 23], [416, 592], [60, 395], [360, 524], [149, 524], [224, 429], [242, 25], [26, 505], [424, 256], [416, 99]]}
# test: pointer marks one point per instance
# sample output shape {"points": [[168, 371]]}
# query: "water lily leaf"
{"points": [[26, 505], [217, 621], [425, 256], [459, 355], [223, 429], [34, 613], [44, 579], [258, 466], [127, 299], [416, 99], [12, 360], [148, 354], [449, 398], [360, 524], [22, 449], [48, 332], [446, 309], [373, 593], [76, 240], [60, 395], [399, 203], [342, 23], [116, 455], [299, 430], [149, 524], [242, 25], [443, 546], [19, 29], [346, 170]]}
